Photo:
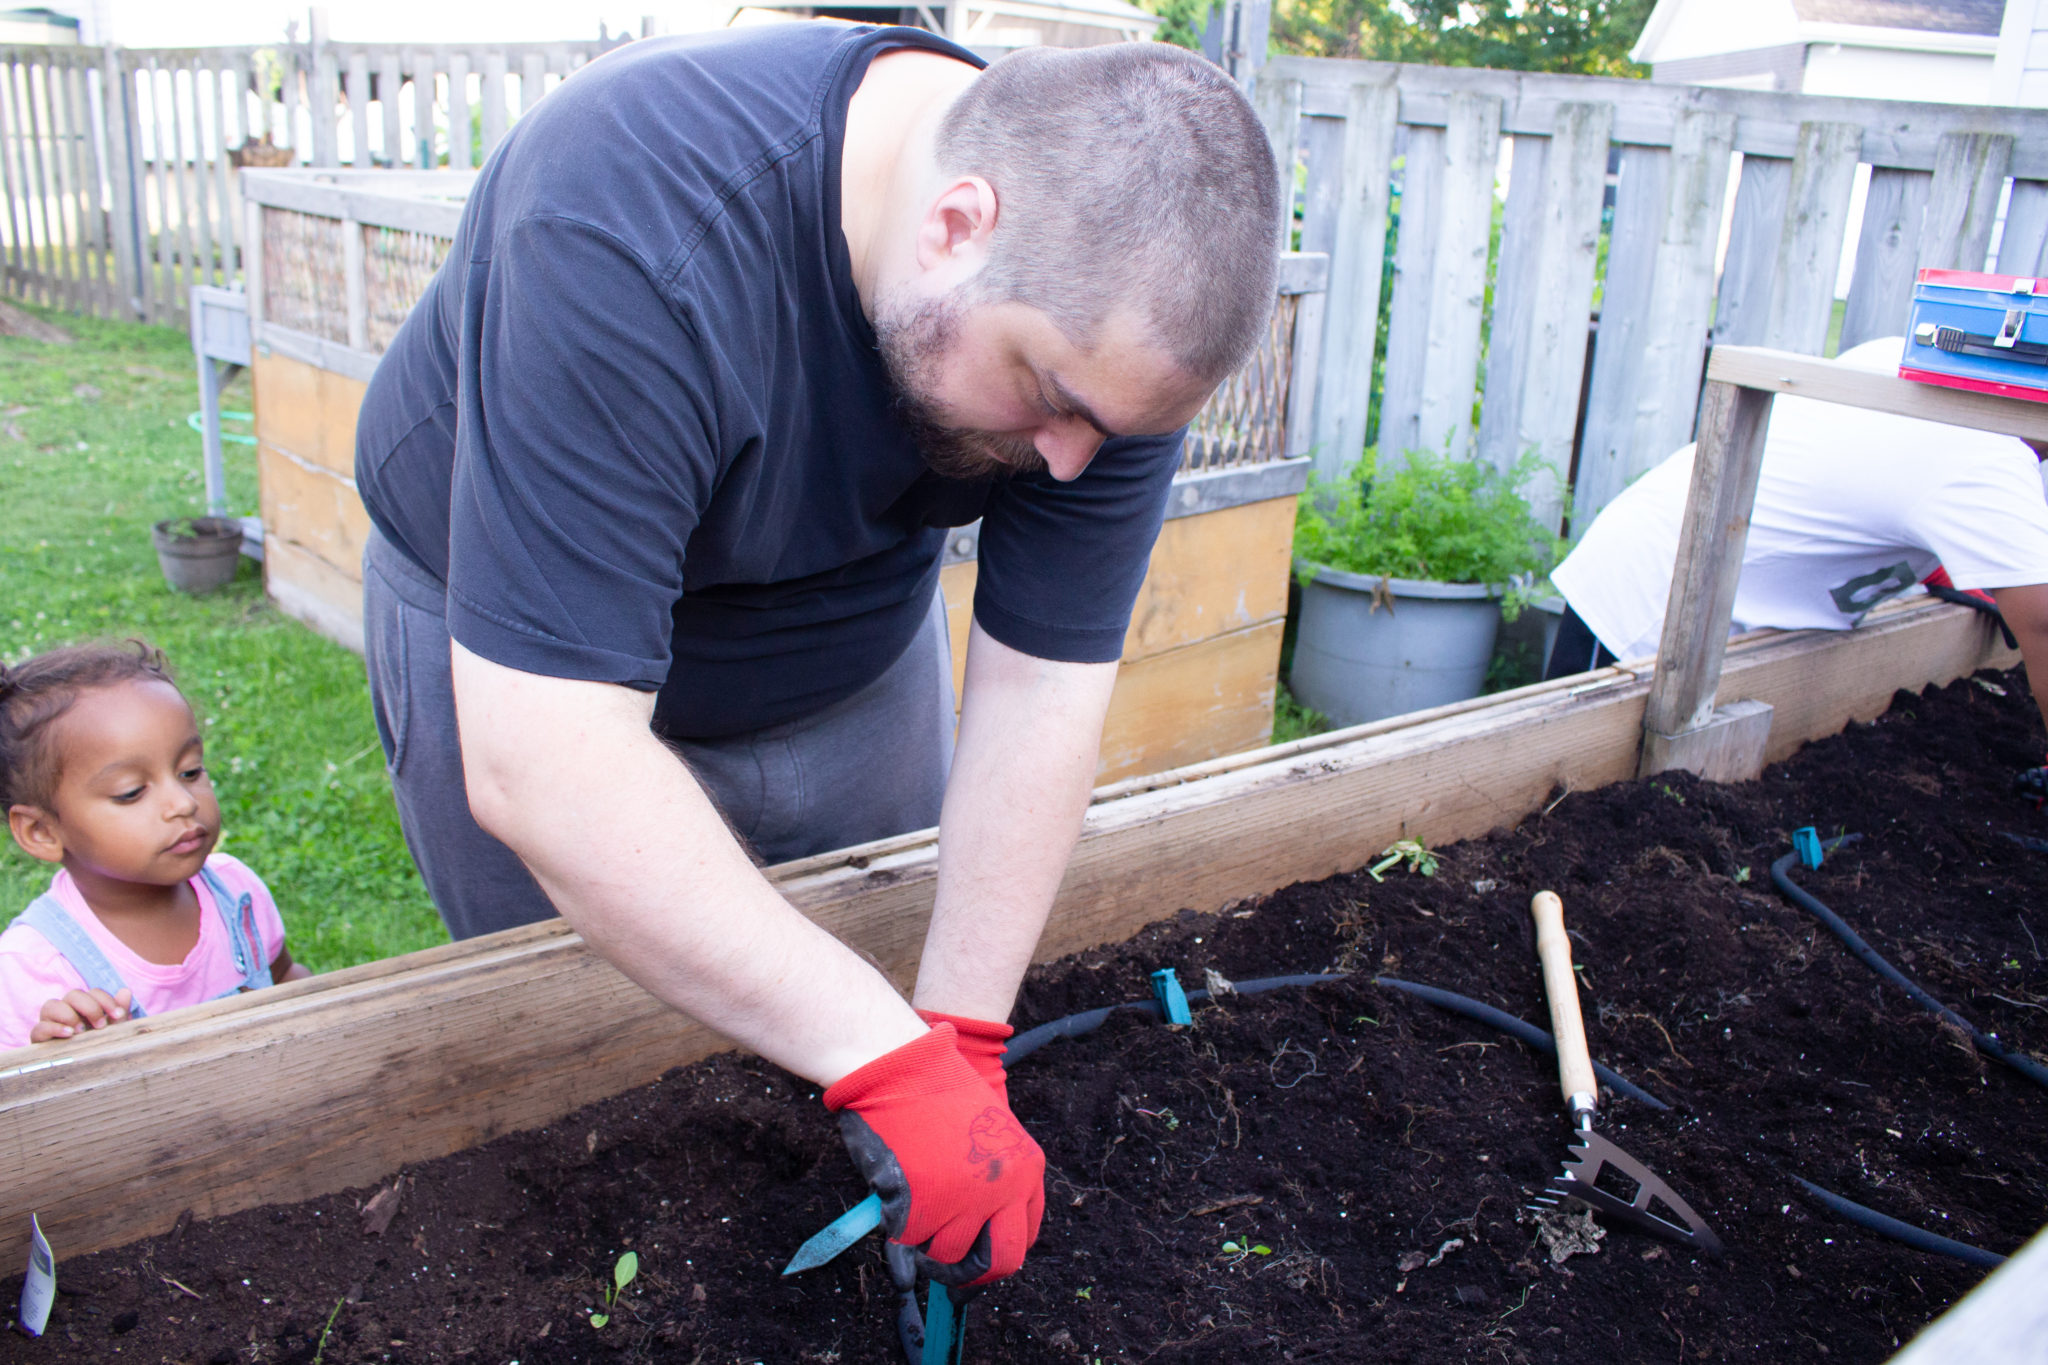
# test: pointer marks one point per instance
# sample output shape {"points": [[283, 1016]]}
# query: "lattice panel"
{"points": [[1245, 421], [397, 267], [304, 287]]}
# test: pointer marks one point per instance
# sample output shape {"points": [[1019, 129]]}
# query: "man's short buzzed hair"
{"points": [[1126, 174]]}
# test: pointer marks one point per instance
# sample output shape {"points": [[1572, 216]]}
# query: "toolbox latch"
{"points": [[2009, 330]]}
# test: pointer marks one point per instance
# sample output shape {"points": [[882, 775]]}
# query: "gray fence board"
{"points": [[1641, 197], [1358, 239], [1969, 180], [1561, 297], [1500, 410], [1674, 345], [1408, 321], [1471, 156], [1742, 308], [1887, 254], [2020, 251], [1810, 241], [493, 96]]}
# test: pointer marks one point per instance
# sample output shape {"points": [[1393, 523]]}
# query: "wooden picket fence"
{"points": [[1613, 211], [118, 165]]}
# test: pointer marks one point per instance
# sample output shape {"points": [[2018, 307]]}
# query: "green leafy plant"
{"points": [[622, 1275], [1434, 518], [320, 1351]]}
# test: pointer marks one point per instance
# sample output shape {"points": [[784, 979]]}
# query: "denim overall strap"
{"points": [[238, 913], [49, 918]]}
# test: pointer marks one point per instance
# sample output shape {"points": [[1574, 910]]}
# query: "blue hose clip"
{"points": [[1173, 1001], [1806, 843]]}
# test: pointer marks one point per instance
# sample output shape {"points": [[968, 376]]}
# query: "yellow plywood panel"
{"points": [[312, 507], [1199, 701], [1213, 574], [307, 587], [306, 410]]}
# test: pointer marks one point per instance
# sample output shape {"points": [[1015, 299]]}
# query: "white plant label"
{"points": [[39, 1288]]}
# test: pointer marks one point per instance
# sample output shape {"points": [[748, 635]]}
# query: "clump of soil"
{"points": [[1330, 1174]]}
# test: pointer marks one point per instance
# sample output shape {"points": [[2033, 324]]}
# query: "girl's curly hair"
{"points": [[33, 694]]}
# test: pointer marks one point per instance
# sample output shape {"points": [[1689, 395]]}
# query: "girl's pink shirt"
{"points": [[32, 971]]}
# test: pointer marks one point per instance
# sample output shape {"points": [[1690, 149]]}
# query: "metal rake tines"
{"points": [[1580, 1180]]}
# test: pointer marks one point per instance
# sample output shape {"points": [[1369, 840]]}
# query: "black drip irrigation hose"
{"points": [[1088, 1021], [1912, 1236], [1781, 877]]}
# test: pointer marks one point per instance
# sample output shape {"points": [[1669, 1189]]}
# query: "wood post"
{"points": [[1724, 473]]}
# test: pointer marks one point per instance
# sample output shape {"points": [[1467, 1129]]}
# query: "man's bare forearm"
{"points": [[634, 855], [2025, 610], [1030, 734]]}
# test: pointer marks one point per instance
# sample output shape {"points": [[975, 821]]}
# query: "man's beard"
{"points": [[913, 340]]}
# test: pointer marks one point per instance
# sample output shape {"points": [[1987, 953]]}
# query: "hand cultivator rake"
{"points": [[1650, 1204]]}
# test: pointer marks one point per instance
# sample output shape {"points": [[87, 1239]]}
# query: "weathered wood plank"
{"points": [[452, 1038], [1743, 301], [423, 100], [1561, 299], [91, 237], [36, 182], [1810, 241], [1887, 255], [62, 218], [227, 219], [390, 82], [1507, 350], [1674, 345], [1641, 201], [1279, 108], [192, 169], [492, 93], [1457, 306], [1357, 249], [1969, 180], [356, 90], [1716, 527], [121, 181], [1408, 321], [2021, 251], [1322, 193], [163, 302], [532, 79], [458, 112], [1811, 377]]}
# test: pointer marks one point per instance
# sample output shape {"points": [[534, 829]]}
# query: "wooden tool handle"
{"points": [[1574, 1062]]}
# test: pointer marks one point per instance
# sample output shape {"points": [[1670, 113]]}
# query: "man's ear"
{"points": [[957, 224], [35, 829]]}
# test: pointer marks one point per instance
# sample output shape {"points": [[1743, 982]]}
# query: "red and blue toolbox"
{"points": [[1987, 333]]}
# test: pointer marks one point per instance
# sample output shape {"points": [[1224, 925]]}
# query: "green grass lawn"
{"points": [[94, 447]]}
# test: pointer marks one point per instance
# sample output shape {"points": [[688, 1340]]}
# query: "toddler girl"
{"points": [[101, 771]]}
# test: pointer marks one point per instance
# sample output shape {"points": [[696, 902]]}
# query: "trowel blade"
{"points": [[841, 1233]]}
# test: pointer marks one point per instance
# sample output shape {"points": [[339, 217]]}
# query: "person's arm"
{"points": [[1023, 769], [622, 839], [2025, 610], [283, 969]]}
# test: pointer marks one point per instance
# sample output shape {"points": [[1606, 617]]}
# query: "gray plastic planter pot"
{"points": [[1362, 654], [198, 554]]}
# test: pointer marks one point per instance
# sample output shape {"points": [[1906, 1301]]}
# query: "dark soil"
{"points": [[1330, 1135]]}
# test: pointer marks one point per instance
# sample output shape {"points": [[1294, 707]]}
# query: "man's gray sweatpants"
{"points": [[865, 768]]}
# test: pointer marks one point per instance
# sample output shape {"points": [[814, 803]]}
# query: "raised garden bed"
{"points": [[1344, 1128]]}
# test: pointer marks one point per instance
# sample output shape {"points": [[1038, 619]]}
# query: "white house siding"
{"points": [[1881, 73]]}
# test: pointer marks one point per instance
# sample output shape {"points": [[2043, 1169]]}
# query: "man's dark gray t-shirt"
{"points": [[639, 426]]}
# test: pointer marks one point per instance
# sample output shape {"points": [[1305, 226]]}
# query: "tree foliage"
{"points": [[1586, 37]]}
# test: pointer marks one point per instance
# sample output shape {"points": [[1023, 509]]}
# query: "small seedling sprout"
{"points": [[1410, 851], [320, 1351], [623, 1272]]}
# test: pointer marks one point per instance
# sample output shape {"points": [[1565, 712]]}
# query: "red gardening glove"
{"points": [[981, 1042], [961, 1181]]}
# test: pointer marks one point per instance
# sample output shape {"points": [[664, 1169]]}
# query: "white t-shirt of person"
{"points": [[1852, 507]]}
